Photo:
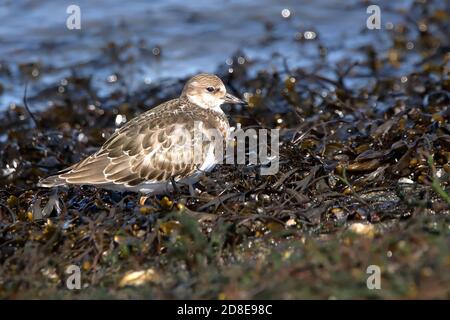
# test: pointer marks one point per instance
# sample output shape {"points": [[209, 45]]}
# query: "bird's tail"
{"points": [[52, 181]]}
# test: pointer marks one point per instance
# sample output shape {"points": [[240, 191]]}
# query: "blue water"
{"points": [[192, 36]]}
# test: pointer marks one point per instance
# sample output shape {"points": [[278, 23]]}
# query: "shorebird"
{"points": [[156, 148]]}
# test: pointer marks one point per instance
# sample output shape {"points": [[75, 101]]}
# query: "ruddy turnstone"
{"points": [[158, 146]]}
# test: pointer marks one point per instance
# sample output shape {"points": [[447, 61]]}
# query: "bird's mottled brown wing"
{"points": [[152, 147]]}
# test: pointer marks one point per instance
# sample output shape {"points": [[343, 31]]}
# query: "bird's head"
{"points": [[208, 91]]}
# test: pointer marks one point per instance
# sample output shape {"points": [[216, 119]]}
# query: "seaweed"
{"points": [[363, 180]]}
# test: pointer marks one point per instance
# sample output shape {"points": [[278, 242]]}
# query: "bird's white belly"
{"points": [[210, 160]]}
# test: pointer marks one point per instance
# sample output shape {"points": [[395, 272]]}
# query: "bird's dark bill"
{"points": [[229, 98]]}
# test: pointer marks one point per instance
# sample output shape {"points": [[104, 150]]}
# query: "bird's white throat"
{"points": [[206, 101]]}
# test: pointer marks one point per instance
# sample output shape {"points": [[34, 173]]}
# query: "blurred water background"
{"points": [[147, 41]]}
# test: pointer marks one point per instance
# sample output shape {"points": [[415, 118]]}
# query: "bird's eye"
{"points": [[210, 89]]}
